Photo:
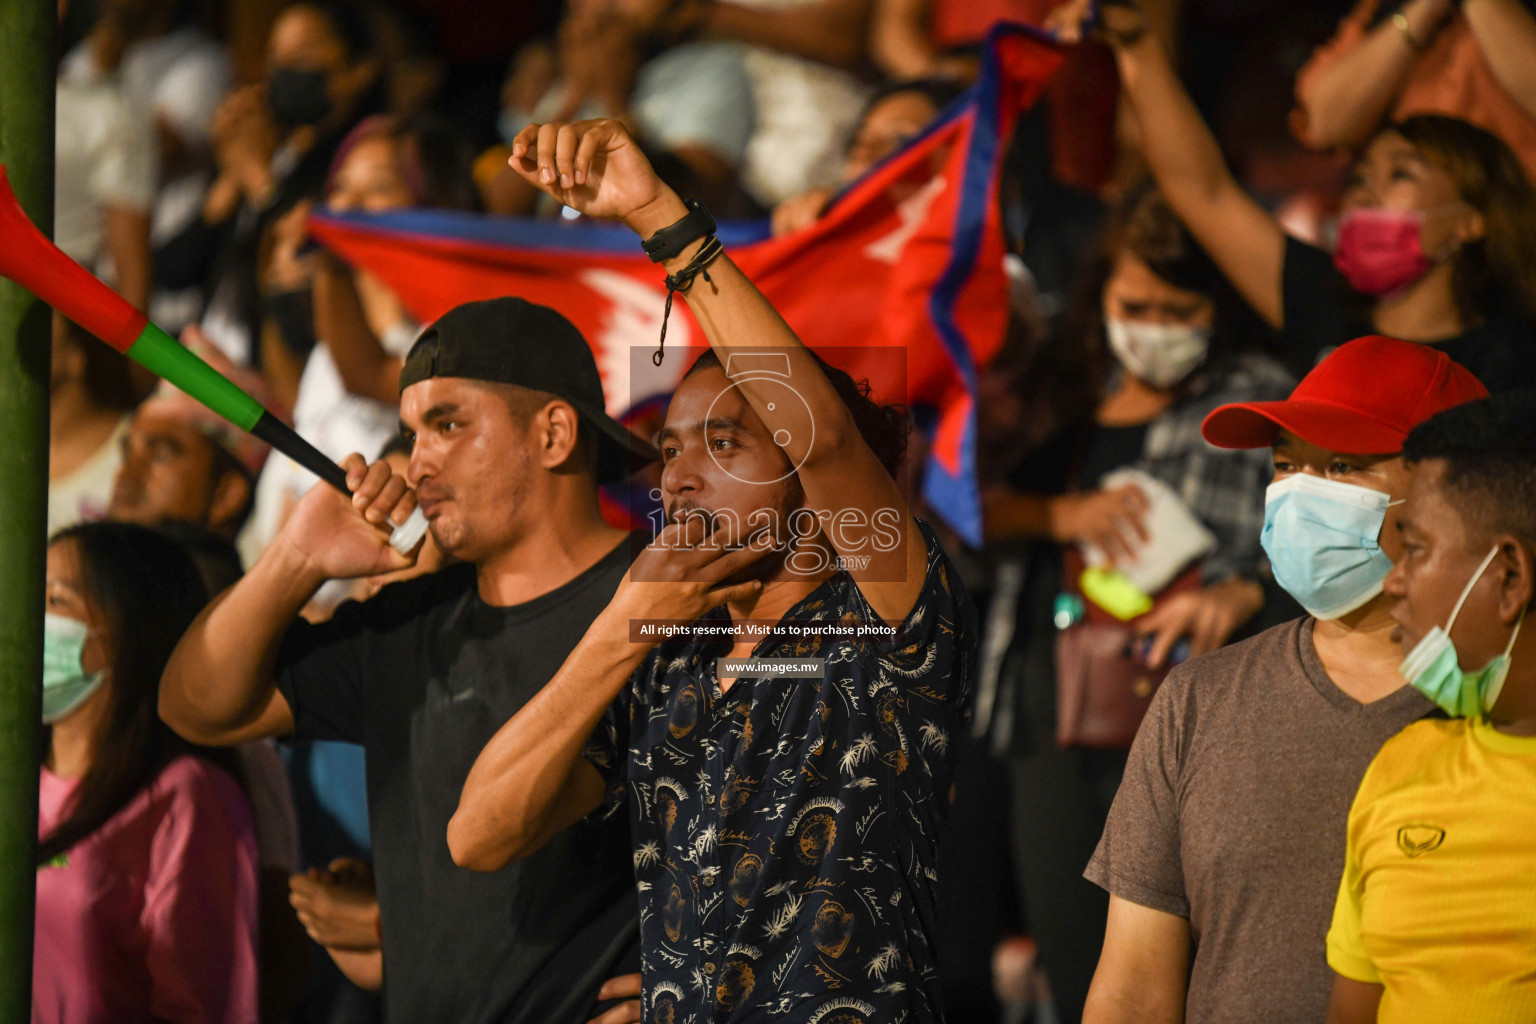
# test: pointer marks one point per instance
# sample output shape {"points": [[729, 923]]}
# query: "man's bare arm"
{"points": [[837, 471], [899, 42], [219, 686], [1353, 1002], [595, 167], [364, 969], [1143, 970], [531, 779]]}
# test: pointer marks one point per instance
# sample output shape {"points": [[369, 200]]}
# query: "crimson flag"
{"points": [[907, 258]]}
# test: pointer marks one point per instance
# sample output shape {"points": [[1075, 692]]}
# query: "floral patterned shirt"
{"points": [[785, 829]]}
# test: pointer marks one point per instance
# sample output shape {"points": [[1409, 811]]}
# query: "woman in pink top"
{"points": [[146, 880]]}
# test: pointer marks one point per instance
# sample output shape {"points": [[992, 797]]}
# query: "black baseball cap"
{"points": [[513, 341]]}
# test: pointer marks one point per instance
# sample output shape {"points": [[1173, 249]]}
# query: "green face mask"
{"points": [[1434, 668], [65, 683]]}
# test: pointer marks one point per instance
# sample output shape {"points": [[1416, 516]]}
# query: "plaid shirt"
{"points": [[1224, 488]]}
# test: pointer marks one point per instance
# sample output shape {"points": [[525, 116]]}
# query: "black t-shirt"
{"points": [[1321, 311], [422, 676], [1109, 449]]}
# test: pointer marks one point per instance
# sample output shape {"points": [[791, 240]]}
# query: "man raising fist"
{"points": [[786, 762]]}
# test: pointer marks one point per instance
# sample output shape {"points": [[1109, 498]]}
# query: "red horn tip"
{"points": [[39, 266]]}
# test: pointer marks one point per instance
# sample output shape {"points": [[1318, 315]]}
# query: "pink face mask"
{"points": [[1381, 251]]}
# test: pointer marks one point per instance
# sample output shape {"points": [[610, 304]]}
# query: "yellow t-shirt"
{"points": [[1438, 899]]}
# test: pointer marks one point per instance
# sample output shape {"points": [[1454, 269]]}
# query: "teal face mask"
{"points": [[65, 683], [1434, 669]]}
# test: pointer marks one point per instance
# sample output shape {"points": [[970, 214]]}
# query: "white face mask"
{"points": [[1159, 354]]}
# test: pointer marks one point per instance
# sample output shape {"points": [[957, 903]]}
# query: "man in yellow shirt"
{"points": [[1436, 914]]}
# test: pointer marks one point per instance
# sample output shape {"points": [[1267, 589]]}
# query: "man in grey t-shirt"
{"points": [[1224, 847], [1231, 817]]}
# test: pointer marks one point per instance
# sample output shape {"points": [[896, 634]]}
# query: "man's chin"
{"points": [[446, 535], [764, 570], [1403, 635]]}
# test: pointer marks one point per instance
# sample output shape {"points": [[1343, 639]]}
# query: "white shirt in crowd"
{"points": [[105, 156], [85, 493], [179, 79], [805, 115]]}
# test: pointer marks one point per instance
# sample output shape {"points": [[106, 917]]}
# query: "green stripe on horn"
{"points": [[164, 356]]}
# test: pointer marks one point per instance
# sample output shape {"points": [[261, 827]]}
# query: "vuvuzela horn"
{"points": [[32, 261]]}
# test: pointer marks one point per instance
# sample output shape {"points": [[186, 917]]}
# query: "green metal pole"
{"points": [[26, 148]]}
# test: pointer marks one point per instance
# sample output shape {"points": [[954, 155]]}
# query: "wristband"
{"points": [[674, 238]]}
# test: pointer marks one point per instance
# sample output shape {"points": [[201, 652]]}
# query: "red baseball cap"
{"points": [[1363, 399]]}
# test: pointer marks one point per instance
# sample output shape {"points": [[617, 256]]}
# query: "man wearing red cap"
{"points": [[1224, 847]]}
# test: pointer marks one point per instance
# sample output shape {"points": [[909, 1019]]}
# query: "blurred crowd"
{"points": [[1210, 200]]}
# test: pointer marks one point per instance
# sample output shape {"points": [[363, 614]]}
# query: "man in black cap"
{"points": [[505, 407]]}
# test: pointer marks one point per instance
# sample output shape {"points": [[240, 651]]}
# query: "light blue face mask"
{"points": [[1434, 668], [1323, 542], [66, 685]]}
